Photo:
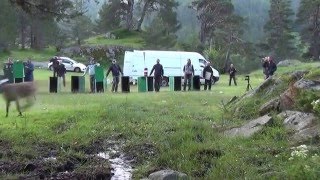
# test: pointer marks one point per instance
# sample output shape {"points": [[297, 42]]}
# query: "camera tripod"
{"points": [[249, 86]]}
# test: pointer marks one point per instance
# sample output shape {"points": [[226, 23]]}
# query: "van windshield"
{"points": [[203, 62]]}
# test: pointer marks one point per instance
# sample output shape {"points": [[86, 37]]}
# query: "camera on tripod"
{"points": [[247, 78]]}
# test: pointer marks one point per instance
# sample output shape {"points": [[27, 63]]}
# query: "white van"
{"points": [[172, 61]]}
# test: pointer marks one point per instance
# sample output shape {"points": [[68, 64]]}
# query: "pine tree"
{"points": [[309, 19], [279, 37], [161, 33]]}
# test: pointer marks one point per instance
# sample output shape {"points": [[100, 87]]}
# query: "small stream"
{"points": [[121, 167]]}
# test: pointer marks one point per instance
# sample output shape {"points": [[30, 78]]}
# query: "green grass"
{"points": [[41, 55], [125, 38], [162, 130]]}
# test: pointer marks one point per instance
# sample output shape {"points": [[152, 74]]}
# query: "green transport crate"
{"points": [[142, 84], [175, 83], [99, 78], [18, 69]]}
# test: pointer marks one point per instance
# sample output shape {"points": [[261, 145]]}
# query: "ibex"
{"points": [[17, 91]]}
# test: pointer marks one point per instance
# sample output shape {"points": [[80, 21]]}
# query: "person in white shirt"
{"points": [[91, 70]]}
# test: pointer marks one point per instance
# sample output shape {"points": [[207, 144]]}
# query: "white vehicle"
{"points": [[70, 64], [172, 61]]}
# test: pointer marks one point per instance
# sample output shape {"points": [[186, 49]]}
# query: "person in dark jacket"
{"points": [[207, 74], [232, 74], [28, 72], [55, 64], [61, 72], [188, 71], [116, 70], [272, 66], [265, 65], [158, 74], [8, 70]]}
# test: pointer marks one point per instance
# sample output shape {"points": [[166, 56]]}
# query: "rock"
{"points": [[167, 175], [267, 87], [250, 128], [287, 63], [297, 75], [296, 120], [307, 134], [307, 84], [287, 98], [271, 105]]}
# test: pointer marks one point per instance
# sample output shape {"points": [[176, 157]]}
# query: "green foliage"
{"points": [[42, 56], [161, 33], [8, 26], [109, 16], [308, 18], [305, 99], [129, 39], [81, 28], [279, 30]]}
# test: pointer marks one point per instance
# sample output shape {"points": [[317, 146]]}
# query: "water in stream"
{"points": [[121, 167]]}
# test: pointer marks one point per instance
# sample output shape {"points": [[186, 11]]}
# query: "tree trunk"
{"points": [[202, 33], [144, 11], [227, 60], [129, 17], [36, 35], [316, 36], [23, 27]]}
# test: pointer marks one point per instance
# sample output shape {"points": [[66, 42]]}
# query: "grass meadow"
{"points": [[175, 130]]}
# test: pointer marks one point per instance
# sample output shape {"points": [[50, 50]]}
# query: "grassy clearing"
{"points": [[40, 56], [126, 38], [133, 42], [161, 130]]}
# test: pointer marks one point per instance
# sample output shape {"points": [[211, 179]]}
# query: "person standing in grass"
{"points": [[272, 66], [55, 64], [116, 71], [158, 74], [265, 66], [91, 70], [188, 74], [232, 74], [208, 75], [28, 72], [61, 73]]}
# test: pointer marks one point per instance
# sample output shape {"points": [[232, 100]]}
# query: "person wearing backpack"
{"points": [[116, 70], [188, 74]]}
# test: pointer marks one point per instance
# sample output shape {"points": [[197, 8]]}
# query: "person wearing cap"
{"points": [[116, 70], [188, 73], [91, 70], [158, 74]]}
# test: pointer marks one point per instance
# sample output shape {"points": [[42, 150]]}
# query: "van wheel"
{"points": [[164, 82], [77, 69], [213, 81]]}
